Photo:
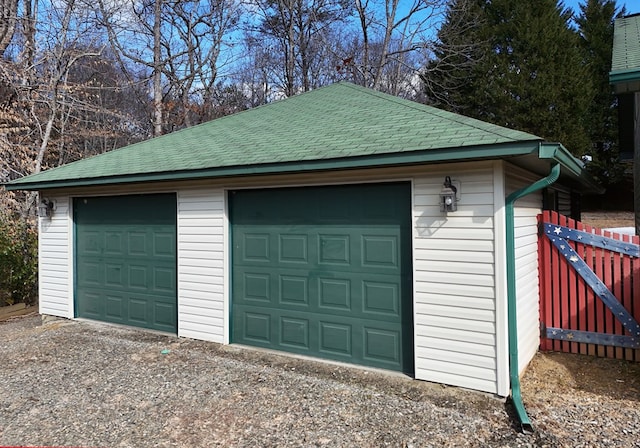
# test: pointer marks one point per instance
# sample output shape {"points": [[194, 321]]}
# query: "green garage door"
{"points": [[325, 272], [126, 260]]}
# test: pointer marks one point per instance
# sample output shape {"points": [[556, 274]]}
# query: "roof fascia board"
{"points": [[622, 76], [429, 156]]}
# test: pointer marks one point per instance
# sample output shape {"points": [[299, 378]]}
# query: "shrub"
{"points": [[18, 261]]}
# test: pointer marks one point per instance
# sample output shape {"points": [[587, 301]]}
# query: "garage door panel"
{"points": [[322, 271], [382, 345], [294, 332], [164, 244], [164, 314], [113, 275], [294, 290], [89, 243], [137, 243], [336, 339], [256, 247], [334, 294], [380, 251], [164, 280], [114, 307], [137, 308], [293, 248], [89, 273], [381, 298], [334, 250], [126, 260], [257, 327], [92, 307], [138, 277]]}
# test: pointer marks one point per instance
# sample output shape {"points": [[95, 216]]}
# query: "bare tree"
{"points": [[296, 33], [52, 106], [177, 46], [395, 43]]}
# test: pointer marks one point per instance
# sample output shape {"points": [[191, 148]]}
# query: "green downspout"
{"points": [[516, 395]]}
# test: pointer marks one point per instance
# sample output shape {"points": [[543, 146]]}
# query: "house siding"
{"points": [[454, 278], [457, 337], [526, 211], [55, 257], [201, 264]]}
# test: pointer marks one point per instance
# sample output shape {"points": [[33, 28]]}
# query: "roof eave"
{"points": [[625, 81], [453, 154], [570, 166]]}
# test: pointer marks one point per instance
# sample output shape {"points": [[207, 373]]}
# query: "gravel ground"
{"points": [[90, 384]]}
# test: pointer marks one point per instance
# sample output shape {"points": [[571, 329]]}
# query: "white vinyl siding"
{"points": [[526, 210], [201, 264], [454, 277], [55, 261]]}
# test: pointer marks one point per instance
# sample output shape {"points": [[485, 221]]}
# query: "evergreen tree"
{"points": [[595, 27], [528, 73], [460, 46]]}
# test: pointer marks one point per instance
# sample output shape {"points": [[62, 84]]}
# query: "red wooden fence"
{"points": [[567, 302]]}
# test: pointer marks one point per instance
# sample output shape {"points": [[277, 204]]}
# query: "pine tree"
{"points": [[528, 74], [595, 27]]}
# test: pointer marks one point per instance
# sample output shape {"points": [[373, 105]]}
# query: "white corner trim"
{"points": [[500, 254], [71, 258], [227, 270]]}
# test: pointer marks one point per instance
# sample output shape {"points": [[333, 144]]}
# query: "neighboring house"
{"points": [[625, 78], [313, 225]]}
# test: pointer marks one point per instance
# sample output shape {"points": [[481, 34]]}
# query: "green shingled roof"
{"points": [[341, 125], [625, 60]]}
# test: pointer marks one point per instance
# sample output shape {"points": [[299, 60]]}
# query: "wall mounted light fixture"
{"points": [[449, 196], [45, 208]]}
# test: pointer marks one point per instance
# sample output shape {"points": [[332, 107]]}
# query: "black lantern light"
{"points": [[45, 208], [448, 196]]}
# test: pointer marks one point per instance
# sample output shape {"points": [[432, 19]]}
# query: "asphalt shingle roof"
{"points": [[341, 121], [626, 44]]}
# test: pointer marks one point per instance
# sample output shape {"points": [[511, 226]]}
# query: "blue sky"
{"points": [[633, 6]]}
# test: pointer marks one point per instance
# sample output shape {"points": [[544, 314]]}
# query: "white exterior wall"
{"points": [[457, 337], [55, 260], [526, 210], [202, 296], [459, 294]]}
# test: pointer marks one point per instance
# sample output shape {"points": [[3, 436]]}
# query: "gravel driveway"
{"points": [[90, 384]]}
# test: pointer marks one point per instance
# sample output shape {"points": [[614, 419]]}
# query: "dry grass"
{"points": [[607, 219]]}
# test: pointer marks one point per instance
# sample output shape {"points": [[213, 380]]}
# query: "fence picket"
{"points": [[581, 288], [626, 294], [591, 297]]}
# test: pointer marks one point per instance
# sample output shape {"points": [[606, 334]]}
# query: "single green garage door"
{"points": [[126, 260], [325, 272]]}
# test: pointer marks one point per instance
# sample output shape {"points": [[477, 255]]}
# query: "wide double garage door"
{"points": [[125, 260], [324, 272]]}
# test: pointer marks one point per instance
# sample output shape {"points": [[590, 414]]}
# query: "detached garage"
{"points": [[342, 224]]}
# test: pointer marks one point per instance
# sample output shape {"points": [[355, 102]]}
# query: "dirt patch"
{"points": [[567, 373], [607, 219]]}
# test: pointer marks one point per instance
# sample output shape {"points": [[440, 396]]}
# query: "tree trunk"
{"points": [[157, 69], [8, 21]]}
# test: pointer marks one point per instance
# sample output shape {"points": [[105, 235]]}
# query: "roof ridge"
{"points": [[453, 116]]}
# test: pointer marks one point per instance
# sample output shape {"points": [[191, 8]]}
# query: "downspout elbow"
{"points": [[512, 312]]}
